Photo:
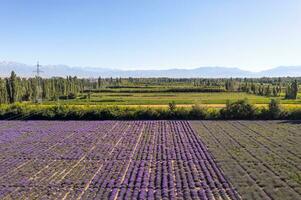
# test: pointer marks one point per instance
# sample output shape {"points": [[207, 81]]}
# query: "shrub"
{"points": [[147, 114], [181, 113], [172, 106], [238, 110], [213, 113], [63, 97], [197, 112], [71, 95], [295, 115], [274, 109]]}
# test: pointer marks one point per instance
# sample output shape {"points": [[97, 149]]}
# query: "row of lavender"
{"points": [[107, 160]]}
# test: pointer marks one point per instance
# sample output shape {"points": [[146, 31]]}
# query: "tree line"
{"points": [[17, 89], [272, 87]]}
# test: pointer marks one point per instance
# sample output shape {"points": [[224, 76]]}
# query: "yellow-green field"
{"points": [[215, 100]]}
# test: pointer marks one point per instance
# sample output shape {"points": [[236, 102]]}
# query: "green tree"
{"points": [[268, 91], [172, 106], [11, 86], [274, 109], [292, 90], [3, 91], [238, 110], [98, 82]]}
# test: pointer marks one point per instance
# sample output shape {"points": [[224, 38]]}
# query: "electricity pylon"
{"points": [[39, 97]]}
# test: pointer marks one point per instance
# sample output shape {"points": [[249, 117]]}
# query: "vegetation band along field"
{"points": [[238, 110]]}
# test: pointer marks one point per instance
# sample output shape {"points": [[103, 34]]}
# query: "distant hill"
{"points": [[292, 71], [206, 72]]}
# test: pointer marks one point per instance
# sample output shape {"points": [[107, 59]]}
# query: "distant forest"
{"points": [[17, 89]]}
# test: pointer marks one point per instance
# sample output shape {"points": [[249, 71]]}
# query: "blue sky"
{"points": [[152, 34]]}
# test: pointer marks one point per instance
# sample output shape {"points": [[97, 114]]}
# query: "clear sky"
{"points": [[152, 34]]}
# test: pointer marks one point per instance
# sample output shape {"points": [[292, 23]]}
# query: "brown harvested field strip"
{"points": [[262, 159]]}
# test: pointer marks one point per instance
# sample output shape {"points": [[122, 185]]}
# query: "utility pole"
{"points": [[39, 87]]}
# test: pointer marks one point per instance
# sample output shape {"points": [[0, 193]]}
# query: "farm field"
{"points": [[163, 98], [150, 160], [182, 99], [262, 159], [107, 160]]}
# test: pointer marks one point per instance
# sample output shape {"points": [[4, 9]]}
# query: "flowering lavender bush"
{"points": [[107, 160]]}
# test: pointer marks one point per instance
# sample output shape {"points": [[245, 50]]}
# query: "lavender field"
{"points": [[261, 158], [107, 160]]}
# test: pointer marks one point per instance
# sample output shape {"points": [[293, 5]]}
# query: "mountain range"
{"points": [[25, 70]]}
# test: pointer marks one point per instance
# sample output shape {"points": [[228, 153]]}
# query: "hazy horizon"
{"points": [[137, 68], [143, 35]]}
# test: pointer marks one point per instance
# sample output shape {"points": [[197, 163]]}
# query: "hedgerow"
{"points": [[240, 110]]}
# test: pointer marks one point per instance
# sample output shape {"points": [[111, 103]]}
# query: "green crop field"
{"points": [[260, 158], [213, 99]]}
